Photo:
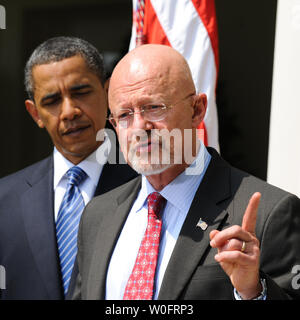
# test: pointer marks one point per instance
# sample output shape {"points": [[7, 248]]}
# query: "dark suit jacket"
{"points": [[28, 248], [192, 272]]}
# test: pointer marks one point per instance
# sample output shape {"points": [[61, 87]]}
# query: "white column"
{"points": [[284, 142]]}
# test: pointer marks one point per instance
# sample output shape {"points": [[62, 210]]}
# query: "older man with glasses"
{"points": [[183, 229]]}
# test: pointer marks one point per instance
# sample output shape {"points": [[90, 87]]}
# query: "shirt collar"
{"points": [[181, 191], [90, 165]]}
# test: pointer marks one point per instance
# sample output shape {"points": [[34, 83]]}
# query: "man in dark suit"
{"points": [[65, 81], [213, 244]]}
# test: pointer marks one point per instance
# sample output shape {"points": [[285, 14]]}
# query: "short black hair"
{"points": [[60, 48]]}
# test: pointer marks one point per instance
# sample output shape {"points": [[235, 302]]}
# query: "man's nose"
{"points": [[140, 122], [69, 109]]}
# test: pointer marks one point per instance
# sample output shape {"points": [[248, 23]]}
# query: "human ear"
{"points": [[32, 110], [199, 105]]}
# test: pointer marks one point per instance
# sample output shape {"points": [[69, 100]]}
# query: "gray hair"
{"points": [[59, 48]]}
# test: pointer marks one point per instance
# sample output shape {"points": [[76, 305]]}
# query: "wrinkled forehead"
{"points": [[139, 83]]}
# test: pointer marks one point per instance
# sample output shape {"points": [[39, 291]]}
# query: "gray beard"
{"points": [[141, 165], [149, 169]]}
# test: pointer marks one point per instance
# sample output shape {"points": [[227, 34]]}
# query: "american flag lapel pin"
{"points": [[202, 224]]}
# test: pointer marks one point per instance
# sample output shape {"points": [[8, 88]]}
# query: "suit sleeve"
{"points": [[280, 248], [77, 290]]}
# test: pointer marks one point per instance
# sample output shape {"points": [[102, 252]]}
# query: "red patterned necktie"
{"points": [[141, 281]]}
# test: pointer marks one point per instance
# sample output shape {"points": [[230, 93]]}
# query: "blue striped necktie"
{"points": [[67, 224]]}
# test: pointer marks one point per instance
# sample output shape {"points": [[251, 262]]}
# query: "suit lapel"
{"points": [[37, 204], [193, 242], [107, 237], [113, 176], [106, 180]]}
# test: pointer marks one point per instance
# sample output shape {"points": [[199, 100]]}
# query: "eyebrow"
{"points": [[50, 96], [56, 95], [80, 87]]}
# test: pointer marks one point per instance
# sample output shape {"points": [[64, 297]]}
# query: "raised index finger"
{"points": [[249, 219]]}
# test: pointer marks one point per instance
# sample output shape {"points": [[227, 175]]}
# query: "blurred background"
{"points": [[246, 47]]}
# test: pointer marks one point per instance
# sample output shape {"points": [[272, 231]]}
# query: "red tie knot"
{"points": [[155, 204]]}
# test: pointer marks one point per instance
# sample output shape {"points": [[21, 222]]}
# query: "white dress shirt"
{"points": [[90, 165], [179, 195]]}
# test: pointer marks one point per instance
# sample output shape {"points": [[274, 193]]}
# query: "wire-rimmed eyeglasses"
{"points": [[151, 112]]}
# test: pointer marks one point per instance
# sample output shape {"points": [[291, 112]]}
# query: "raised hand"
{"points": [[238, 252]]}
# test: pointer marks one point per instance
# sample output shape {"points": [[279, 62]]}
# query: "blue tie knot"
{"points": [[76, 175]]}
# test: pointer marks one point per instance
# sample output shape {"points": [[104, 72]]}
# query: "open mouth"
{"points": [[76, 130]]}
